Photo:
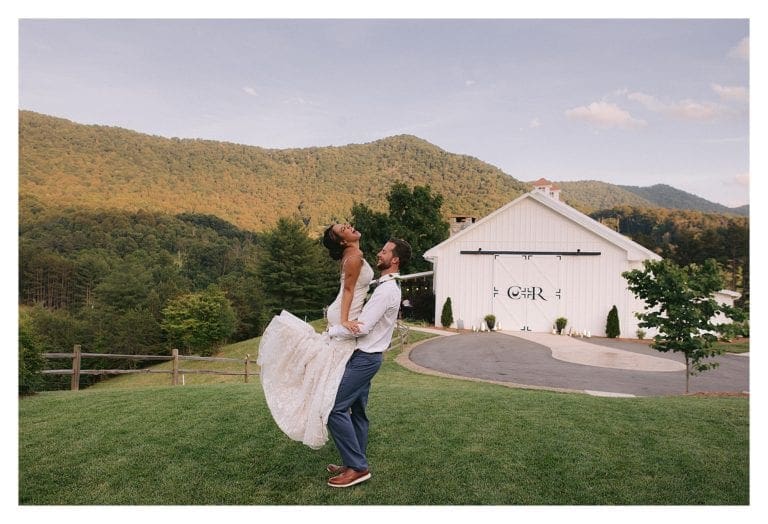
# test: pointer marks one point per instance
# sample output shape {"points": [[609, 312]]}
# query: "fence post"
{"points": [[247, 366], [175, 375], [76, 368]]}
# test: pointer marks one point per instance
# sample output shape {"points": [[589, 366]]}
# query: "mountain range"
{"points": [[66, 164]]}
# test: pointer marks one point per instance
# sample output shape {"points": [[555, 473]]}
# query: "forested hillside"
{"points": [[62, 163], [669, 197], [687, 237], [591, 195], [115, 281], [69, 164]]}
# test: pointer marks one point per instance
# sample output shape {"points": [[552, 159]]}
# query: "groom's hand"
{"points": [[352, 325]]}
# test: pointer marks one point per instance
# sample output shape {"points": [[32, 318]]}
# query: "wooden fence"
{"points": [[399, 339], [77, 355]]}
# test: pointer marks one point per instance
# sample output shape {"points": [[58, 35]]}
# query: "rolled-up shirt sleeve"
{"points": [[372, 312], [340, 332]]}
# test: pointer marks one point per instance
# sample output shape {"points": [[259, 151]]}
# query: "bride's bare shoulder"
{"points": [[356, 257]]}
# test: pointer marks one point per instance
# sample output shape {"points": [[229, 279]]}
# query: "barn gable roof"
{"points": [[634, 250]]}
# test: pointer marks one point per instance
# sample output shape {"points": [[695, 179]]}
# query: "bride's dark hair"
{"points": [[331, 243]]}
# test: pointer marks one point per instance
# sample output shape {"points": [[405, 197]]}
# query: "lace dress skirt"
{"points": [[300, 373]]}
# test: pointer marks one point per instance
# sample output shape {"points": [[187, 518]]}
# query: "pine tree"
{"points": [[295, 272]]}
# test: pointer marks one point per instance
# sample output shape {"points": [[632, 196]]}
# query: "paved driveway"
{"points": [[596, 366]]}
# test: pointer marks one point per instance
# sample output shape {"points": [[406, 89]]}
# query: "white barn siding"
{"points": [[587, 285], [531, 290]]}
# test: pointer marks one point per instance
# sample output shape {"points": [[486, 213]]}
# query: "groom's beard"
{"points": [[381, 266]]}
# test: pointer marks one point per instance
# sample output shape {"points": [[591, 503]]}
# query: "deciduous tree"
{"points": [[375, 228], [31, 360], [681, 305], [416, 217], [199, 322]]}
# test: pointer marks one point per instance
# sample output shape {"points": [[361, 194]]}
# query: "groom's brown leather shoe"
{"points": [[333, 468], [349, 478]]}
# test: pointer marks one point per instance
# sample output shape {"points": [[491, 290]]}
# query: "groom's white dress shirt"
{"points": [[378, 318]]}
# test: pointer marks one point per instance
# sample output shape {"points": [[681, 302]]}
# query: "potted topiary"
{"points": [[490, 321], [560, 324]]}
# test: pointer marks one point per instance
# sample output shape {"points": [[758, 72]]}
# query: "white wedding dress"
{"points": [[301, 369]]}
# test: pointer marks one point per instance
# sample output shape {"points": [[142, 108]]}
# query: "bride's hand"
{"points": [[352, 325]]}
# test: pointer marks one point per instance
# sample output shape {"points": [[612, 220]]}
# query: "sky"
{"points": [[625, 101]]}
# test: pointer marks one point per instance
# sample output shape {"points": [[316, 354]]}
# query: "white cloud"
{"points": [[534, 123], [692, 110], [687, 109], [731, 93], [251, 91], [469, 83], [604, 114], [649, 101], [741, 50], [734, 190]]}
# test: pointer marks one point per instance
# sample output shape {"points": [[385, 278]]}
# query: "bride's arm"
{"points": [[351, 267]]}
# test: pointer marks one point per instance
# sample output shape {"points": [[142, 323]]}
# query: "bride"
{"points": [[300, 368]]}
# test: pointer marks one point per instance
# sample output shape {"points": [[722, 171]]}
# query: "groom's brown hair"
{"points": [[402, 251]]}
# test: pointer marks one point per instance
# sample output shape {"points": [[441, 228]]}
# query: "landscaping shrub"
{"points": [[612, 329], [31, 359], [446, 317]]}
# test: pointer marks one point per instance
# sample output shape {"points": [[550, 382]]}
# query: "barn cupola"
{"points": [[547, 188]]}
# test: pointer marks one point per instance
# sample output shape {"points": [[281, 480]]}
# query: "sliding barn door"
{"points": [[526, 291]]}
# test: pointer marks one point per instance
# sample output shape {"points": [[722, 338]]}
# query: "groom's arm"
{"points": [[372, 312]]}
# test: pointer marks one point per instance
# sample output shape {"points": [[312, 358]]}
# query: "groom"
{"points": [[347, 421]]}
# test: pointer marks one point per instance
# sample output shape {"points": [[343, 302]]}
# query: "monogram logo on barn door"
{"points": [[527, 293]]}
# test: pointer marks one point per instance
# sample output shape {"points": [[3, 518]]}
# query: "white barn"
{"points": [[537, 259]]}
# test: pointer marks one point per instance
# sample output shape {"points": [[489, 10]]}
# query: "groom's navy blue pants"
{"points": [[347, 422]]}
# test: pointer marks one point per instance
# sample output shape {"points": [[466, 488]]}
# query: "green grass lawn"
{"points": [[434, 441], [736, 346]]}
